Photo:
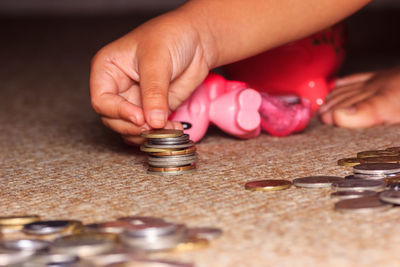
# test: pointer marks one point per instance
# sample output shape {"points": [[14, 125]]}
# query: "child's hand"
{"points": [[364, 100], [138, 79]]}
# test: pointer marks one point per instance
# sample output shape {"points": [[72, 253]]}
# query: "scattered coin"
{"points": [[349, 162], [26, 244], [377, 168], [18, 220], [192, 243], [268, 185], [208, 233], [316, 181], [362, 205], [376, 153], [358, 185], [369, 176], [352, 194], [162, 133], [390, 196], [51, 227]]}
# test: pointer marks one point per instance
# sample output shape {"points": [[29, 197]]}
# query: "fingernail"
{"points": [[133, 119], [157, 118], [349, 110], [145, 128]]}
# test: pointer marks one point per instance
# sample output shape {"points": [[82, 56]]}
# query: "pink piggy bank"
{"points": [[230, 105], [304, 68]]}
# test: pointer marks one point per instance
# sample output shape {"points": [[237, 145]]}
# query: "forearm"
{"points": [[236, 29]]}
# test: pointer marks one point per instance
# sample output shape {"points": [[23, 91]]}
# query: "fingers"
{"points": [[354, 78], [106, 80], [123, 127], [155, 75]]}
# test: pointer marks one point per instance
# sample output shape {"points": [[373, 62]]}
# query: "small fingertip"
{"points": [[145, 127], [157, 118]]}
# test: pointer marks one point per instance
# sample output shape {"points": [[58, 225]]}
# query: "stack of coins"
{"points": [[171, 152], [376, 171], [126, 240]]}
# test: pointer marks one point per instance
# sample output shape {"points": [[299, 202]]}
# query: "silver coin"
{"points": [[11, 256], [140, 220], [316, 181], [155, 242], [154, 229], [377, 168], [352, 194], [189, 144], [392, 174], [369, 176], [26, 244], [362, 205], [390, 196], [52, 259], [208, 233], [47, 227], [171, 164], [170, 140], [358, 185], [85, 244]]}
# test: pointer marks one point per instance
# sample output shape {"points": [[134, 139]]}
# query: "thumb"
{"points": [[154, 68]]}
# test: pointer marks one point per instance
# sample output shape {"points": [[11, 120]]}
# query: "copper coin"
{"points": [[268, 185], [362, 205], [189, 150], [161, 133]]}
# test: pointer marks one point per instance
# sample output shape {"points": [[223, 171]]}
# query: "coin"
{"points": [[153, 229], [268, 185], [391, 180], [51, 227], [348, 162], [316, 181], [381, 159], [395, 149], [112, 227], [377, 168], [172, 170], [393, 186], [157, 150], [171, 161], [18, 220], [390, 196], [153, 240], [84, 244], [369, 176], [170, 141], [54, 259], [26, 244], [352, 194], [11, 256], [209, 233], [139, 220], [180, 146], [161, 133], [358, 185], [376, 153], [189, 150], [192, 243], [362, 205]]}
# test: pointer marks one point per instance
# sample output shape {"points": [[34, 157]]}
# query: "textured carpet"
{"points": [[58, 161]]}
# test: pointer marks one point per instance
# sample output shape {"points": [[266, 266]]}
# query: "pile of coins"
{"points": [[29, 241], [171, 152], [373, 186]]}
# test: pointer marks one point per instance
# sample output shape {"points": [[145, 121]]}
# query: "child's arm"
{"points": [[138, 78]]}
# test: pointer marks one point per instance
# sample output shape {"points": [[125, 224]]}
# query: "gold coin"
{"points": [[161, 133], [189, 150], [381, 159], [157, 150], [376, 153], [172, 169], [18, 220], [268, 185], [192, 243], [349, 162]]}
